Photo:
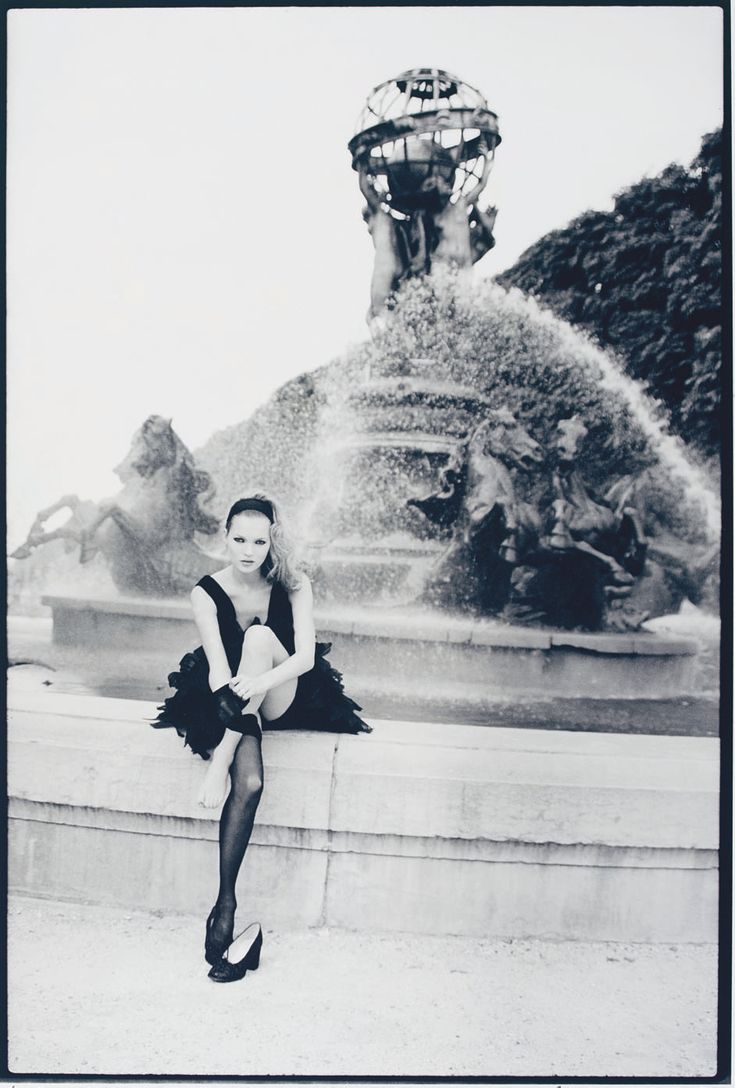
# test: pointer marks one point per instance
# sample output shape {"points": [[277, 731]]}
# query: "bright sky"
{"points": [[184, 228]]}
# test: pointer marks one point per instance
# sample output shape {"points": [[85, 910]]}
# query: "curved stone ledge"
{"points": [[436, 829], [484, 657], [401, 624]]}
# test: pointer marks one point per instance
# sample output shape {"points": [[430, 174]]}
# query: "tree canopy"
{"points": [[645, 279]]}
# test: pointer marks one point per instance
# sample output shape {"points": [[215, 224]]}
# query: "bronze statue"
{"points": [[423, 154], [542, 548], [491, 523], [146, 533], [589, 555], [611, 535], [389, 253], [675, 568], [605, 562], [482, 224]]}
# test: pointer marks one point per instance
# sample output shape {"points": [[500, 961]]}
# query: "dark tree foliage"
{"points": [[646, 280]]}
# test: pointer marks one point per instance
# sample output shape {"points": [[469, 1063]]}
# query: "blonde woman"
{"points": [[259, 666]]}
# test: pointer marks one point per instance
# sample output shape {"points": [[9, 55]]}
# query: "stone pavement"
{"points": [[103, 990]]}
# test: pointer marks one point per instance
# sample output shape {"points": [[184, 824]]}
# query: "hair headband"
{"points": [[261, 506]]}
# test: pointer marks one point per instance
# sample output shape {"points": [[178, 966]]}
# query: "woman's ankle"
{"points": [[221, 759]]}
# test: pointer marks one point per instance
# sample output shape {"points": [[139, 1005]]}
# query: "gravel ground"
{"points": [[101, 990]]}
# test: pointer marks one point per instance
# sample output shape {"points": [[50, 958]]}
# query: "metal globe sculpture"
{"points": [[424, 138], [423, 152]]}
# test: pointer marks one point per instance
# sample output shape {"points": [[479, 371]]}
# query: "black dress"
{"points": [[319, 703]]}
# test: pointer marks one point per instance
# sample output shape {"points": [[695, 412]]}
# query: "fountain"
{"points": [[478, 473], [423, 151], [463, 481]]}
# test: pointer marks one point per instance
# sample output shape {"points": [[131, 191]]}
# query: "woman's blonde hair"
{"points": [[280, 563]]}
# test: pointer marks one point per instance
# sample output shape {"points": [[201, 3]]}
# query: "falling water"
{"points": [[507, 345], [466, 335], [342, 449], [318, 518], [645, 411]]}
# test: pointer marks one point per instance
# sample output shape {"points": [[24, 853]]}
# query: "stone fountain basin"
{"points": [[421, 655], [418, 827]]}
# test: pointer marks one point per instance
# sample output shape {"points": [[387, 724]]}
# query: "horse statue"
{"points": [[608, 531], [566, 559], [589, 555], [146, 532], [676, 569], [491, 524]]}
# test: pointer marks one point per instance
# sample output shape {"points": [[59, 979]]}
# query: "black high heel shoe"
{"points": [[227, 971], [215, 948]]}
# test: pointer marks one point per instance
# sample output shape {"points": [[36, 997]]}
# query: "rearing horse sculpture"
{"points": [[611, 534], [676, 568], [491, 524], [146, 533], [591, 553]]}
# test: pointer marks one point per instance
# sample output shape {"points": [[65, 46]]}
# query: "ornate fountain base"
{"points": [[412, 655], [348, 573], [396, 433]]}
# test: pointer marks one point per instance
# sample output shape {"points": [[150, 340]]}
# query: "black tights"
{"points": [[235, 827]]}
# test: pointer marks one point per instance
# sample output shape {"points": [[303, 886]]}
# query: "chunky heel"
{"points": [[253, 956]]}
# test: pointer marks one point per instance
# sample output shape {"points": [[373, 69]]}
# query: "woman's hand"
{"points": [[249, 687]]}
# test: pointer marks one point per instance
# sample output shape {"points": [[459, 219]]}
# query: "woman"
{"points": [[250, 674]]}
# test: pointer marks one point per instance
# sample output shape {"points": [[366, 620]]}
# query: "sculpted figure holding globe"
{"points": [[423, 153]]}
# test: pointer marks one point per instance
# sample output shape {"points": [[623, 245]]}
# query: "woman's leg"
{"points": [[235, 828], [261, 651]]}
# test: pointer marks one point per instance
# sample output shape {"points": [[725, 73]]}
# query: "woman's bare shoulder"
{"points": [[199, 597]]}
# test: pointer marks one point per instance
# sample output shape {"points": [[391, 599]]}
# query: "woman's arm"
{"points": [[299, 662], [205, 617]]}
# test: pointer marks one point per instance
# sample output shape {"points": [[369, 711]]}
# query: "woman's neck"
{"points": [[246, 579]]}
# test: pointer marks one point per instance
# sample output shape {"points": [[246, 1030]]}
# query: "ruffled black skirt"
{"points": [[320, 703]]}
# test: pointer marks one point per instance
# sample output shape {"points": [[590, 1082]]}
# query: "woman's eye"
{"points": [[239, 540], [260, 542]]}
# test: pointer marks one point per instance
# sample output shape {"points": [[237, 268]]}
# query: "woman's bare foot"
{"points": [[214, 787]]}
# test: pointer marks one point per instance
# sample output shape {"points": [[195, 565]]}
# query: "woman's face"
{"points": [[248, 540]]}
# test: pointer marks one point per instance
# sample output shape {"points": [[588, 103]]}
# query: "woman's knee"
{"points": [[258, 638], [248, 787], [253, 784], [258, 635]]}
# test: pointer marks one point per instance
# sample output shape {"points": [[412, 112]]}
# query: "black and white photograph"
{"points": [[367, 426]]}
